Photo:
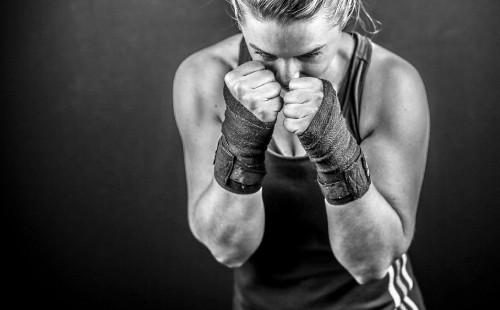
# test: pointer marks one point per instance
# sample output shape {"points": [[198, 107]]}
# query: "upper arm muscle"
{"points": [[197, 105], [396, 148]]}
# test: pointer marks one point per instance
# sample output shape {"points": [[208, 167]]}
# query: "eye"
{"points": [[311, 55], [264, 55]]}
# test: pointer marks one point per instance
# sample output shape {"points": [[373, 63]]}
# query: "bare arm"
{"points": [[231, 226], [367, 234]]}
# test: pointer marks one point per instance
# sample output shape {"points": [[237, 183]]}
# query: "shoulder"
{"points": [[213, 61], [394, 97], [199, 79]]}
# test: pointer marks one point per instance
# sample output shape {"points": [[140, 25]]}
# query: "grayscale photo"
{"points": [[251, 154]]}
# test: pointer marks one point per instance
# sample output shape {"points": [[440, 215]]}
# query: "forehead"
{"points": [[287, 40]]}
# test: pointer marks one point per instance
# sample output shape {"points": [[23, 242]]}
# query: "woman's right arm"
{"points": [[230, 225]]}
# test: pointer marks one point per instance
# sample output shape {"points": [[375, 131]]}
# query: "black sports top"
{"points": [[294, 266]]}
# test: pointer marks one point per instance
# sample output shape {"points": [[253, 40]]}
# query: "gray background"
{"points": [[93, 170]]}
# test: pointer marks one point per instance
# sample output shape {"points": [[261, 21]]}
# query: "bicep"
{"points": [[396, 150], [199, 127]]}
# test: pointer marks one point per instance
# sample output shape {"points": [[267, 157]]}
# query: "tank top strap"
{"points": [[354, 82]]}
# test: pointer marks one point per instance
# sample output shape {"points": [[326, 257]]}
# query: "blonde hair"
{"points": [[337, 12]]}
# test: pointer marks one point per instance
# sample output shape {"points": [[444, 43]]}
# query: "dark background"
{"points": [[93, 170]]}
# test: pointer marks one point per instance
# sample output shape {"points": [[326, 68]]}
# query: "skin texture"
{"points": [[256, 88], [366, 235]]}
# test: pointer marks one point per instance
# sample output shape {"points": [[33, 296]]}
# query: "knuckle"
{"points": [[289, 125], [274, 89], [276, 86], [276, 102], [286, 111], [228, 78], [239, 88], [313, 110], [251, 106], [262, 113], [319, 85], [269, 75], [259, 114], [318, 96], [277, 106], [246, 97]]}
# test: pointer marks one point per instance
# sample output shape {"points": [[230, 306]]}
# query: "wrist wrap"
{"points": [[239, 159], [343, 174]]}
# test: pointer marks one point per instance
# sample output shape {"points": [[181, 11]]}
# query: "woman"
{"points": [[320, 140]]}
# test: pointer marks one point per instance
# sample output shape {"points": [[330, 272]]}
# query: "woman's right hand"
{"points": [[256, 89]]}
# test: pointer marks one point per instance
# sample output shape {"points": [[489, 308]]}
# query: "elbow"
{"points": [[369, 276], [230, 244], [230, 261], [227, 248], [232, 254]]}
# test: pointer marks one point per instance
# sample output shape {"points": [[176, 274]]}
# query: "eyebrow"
{"points": [[305, 54]]}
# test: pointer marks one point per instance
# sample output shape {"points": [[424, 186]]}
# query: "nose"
{"points": [[285, 70]]}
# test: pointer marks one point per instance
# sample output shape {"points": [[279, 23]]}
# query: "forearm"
{"points": [[229, 215], [230, 225], [366, 235]]}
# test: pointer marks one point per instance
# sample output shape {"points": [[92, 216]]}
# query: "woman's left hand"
{"points": [[301, 103]]}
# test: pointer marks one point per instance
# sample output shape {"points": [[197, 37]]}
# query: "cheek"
{"points": [[315, 69]]}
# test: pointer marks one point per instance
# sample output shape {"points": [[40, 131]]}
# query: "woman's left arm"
{"points": [[368, 234]]}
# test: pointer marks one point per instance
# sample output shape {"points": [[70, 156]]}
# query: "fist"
{"points": [[256, 89], [302, 103]]}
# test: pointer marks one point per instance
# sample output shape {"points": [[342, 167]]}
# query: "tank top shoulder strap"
{"points": [[352, 89]]}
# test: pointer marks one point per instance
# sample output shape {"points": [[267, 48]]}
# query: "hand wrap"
{"points": [[239, 159], [343, 174]]}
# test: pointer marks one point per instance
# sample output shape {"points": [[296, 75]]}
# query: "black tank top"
{"points": [[294, 266]]}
